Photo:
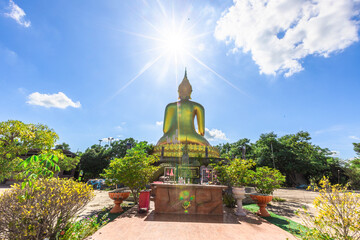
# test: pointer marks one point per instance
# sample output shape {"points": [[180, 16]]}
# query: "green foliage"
{"points": [[278, 199], [337, 214], [81, 229], [352, 169], [229, 200], [134, 170], [51, 205], [119, 147], [357, 148], [94, 160], [68, 163], [266, 180], [238, 172], [42, 166], [63, 146], [236, 149], [17, 138], [294, 153]]}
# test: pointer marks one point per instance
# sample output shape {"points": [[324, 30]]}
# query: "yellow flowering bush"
{"points": [[42, 210], [338, 213]]}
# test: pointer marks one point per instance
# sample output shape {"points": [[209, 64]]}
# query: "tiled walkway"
{"points": [[151, 226]]}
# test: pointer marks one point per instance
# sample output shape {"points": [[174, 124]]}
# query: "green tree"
{"points": [[69, 163], [94, 160], [357, 148], [17, 138], [352, 168], [119, 147], [134, 170], [63, 146], [236, 149], [294, 155]]}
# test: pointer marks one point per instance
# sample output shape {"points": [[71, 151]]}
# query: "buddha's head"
{"points": [[185, 89]]}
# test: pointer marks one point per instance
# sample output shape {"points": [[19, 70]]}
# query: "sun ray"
{"points": [[144, 68], [162, 8], [199, 35], [218, 75], [141, 35], [153, 26]]}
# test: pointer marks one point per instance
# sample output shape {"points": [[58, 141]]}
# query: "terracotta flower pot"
{"points": [[118, 198], [262, 202], [239, 195]]}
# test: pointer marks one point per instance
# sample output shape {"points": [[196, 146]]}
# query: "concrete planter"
{"points": [[239, 195]]}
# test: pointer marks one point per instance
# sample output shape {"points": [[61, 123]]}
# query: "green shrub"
{"points": [[266, 180], [134, 170], [229, 200], [41, 210], [237, 172], [81, 229]]}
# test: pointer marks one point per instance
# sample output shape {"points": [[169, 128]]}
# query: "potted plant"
{"points": [[239, 175], [134, 170], [265, 181]]}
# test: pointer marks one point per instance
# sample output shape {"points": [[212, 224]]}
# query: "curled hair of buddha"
{"points": [[185, 88]]}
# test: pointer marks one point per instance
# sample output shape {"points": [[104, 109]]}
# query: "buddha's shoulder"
{"points": [[196, 104], [188, 102], [170, 105]]}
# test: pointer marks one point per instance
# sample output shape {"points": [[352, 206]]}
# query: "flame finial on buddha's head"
{"points": [[185, 88]]}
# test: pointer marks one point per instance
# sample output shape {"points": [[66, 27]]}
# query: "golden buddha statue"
{"points": [[179, 128], [179, 119]]}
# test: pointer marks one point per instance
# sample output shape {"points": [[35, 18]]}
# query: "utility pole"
{"points": [[243, 152], [100, 142], [272, 155]]}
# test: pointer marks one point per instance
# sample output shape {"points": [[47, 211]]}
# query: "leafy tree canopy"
{"points": [[17, 138], [134, 170], [63, 146]]}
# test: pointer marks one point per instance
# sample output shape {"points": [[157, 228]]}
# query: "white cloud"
{"points": [[335, 128], [214, 135], [354, 137], [17, 14], [280, 33], [335, 153], [56, 100], [159, 123], [108, 139], [119, 128]]}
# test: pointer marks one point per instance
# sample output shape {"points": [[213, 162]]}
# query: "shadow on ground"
{"points": [[285, 209]]}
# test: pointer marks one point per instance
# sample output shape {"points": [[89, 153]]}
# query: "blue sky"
{"points": [[97, 69]]}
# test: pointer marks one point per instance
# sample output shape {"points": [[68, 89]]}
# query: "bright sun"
{"points": [[174, 40], [175, 43]]}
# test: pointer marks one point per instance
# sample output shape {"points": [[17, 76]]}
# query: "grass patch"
{"points": [[280, 221], [278, 199], [112, 216]]}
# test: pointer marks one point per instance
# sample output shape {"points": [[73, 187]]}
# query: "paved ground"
{"points": [[295, 199], [186, 228], [150, 226]]}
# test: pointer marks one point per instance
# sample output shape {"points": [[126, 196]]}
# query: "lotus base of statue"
{"points": [[239, 195], [118, 198], [262, 201]]}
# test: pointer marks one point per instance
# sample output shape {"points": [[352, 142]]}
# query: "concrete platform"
{"points": [[151, 226]]}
